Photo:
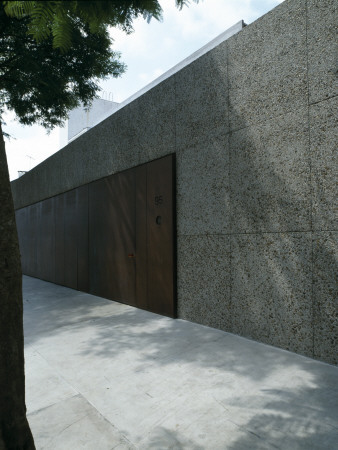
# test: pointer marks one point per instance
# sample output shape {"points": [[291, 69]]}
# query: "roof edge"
{"points": [[185, 62]]}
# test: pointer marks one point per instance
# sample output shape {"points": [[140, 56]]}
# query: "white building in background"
{"points": [[81, 119]]}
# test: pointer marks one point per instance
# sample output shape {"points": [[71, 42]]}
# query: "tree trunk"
{"points": [[14, 428]]}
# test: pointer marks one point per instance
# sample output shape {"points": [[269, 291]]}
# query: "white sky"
{"points": [[150, 51]]}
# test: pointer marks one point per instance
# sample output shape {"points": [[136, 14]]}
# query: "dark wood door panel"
{"points": [[21, 226], [82, 239], [60, 212], [161, 232], [112, 237], [46, 240], [70, 238], [26, 221], [141, 255], [32, 239]]}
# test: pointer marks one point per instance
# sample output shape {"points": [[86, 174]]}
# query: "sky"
{"points": [[150, 51]]}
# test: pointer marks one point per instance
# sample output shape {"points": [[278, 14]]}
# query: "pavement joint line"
{"points": [[247, 390]]}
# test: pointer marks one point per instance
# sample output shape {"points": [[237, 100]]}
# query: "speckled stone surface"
{"points": [[155, 122], [203, 280], [110, 147], [267, 66], [115, 142], [325, 296], [322, 49], [271, 289], [256, 175], [22, 196], [203, 187], [270, 176], [202, 98], [324, 156]]}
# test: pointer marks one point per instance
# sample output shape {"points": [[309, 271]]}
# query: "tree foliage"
{"points": [[42, 84], [56, 18], [52, 54]]}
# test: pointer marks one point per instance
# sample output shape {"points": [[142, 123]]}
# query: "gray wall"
{"points": [[252, 123]]}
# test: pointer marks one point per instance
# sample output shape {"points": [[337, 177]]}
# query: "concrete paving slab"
{"points": [[44, 387], [75, 424], [102, 375]]}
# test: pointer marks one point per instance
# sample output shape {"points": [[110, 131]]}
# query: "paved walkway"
{"points": [[101, 375]]}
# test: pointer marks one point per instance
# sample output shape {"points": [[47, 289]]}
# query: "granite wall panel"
{"points": [[325, 296], [110, 147], [203, 284], [322, 19], [324, 161], [202, 99], [253, 125], [156, 122], [271, 289], [270, 176], [267, 65], [203, 205]]}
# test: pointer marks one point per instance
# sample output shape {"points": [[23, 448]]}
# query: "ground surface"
{"points": [[101, 375]]}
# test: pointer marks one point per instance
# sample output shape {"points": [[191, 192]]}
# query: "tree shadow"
{"points": [[249, 395]]}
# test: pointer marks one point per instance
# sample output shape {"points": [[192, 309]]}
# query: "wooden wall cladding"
{"points": [[45, 239], [71, 238], [59, 205], [160, 226], [114, 238], [82, 239]]}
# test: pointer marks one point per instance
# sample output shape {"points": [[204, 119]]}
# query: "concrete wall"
{"points": [[252, 123]]}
